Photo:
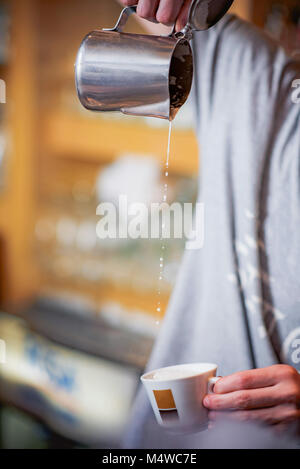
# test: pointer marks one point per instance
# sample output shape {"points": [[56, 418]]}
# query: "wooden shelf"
{"points": [[96, 139]]}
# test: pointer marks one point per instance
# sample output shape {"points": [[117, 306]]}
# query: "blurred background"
{"points": [[79, 314]]}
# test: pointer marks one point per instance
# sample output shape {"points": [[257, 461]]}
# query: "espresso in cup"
{"points": [[176, 394]]}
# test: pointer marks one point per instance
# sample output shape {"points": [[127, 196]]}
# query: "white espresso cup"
{"points": [[176, 394]]}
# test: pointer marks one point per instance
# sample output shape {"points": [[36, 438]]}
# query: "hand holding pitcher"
{"points": [[178, 12], [168, 12]]}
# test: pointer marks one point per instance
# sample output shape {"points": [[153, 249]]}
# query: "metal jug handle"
{"points": [[202, 15], [185, 33], [128, 11], [124, 16]]}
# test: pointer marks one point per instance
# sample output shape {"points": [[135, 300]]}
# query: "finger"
{"points": [[250, 379], [147, 9], [282, 414], [183, 15], [129, 3], [168, 11], [246, 399]]}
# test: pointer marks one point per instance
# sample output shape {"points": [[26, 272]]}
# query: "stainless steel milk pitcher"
{"points": [[139, 74]]}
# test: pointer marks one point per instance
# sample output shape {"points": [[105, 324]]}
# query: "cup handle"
{"points": [[211, 384]]}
